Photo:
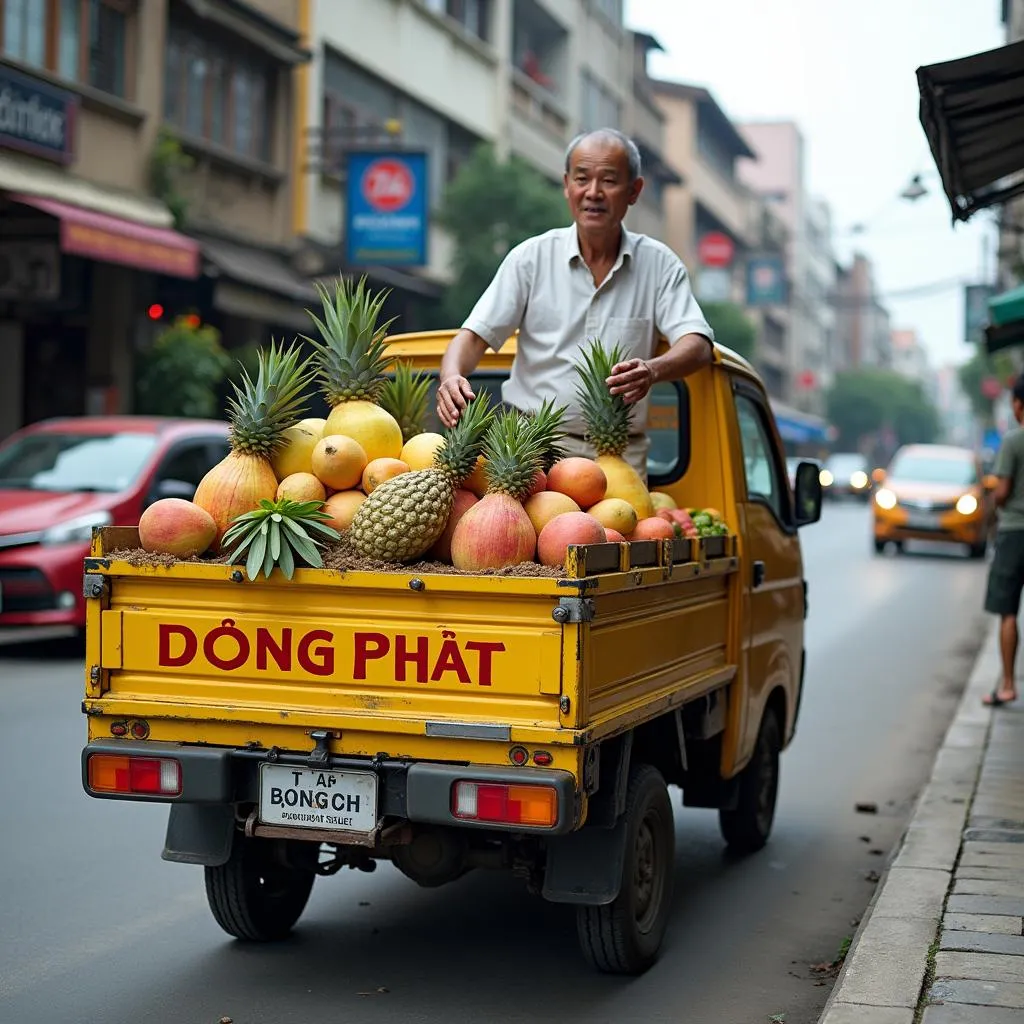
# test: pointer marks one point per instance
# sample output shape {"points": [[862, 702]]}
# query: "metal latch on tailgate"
{"points": [[573, 609], [93, 585]]}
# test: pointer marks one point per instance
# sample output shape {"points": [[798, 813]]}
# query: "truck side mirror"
{"points": [[807, 494]]}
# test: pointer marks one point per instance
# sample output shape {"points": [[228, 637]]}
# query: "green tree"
{"points": [[488, 208], [863, 402], [732, 327], [182, 371], [980, 367]]}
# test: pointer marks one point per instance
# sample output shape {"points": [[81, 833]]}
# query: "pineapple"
{"points": [[404, 396], [278, 532], [403, 517], [608, 419], [351, 353], [548, 424], [259, 412], [497, 531]]}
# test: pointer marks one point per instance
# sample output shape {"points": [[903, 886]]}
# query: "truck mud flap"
{"points": [[200, 834], [585, 867]]}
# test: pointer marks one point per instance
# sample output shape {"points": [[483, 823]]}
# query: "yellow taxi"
{"points": [[934, 492]]}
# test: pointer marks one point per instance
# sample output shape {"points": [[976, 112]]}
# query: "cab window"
{"points": [[668, 423], [764, 481]]}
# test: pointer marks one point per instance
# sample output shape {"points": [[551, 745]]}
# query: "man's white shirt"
{"points": [[545, 290]]}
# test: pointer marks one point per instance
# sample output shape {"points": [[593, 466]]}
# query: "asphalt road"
{"points": [[96, 929]]}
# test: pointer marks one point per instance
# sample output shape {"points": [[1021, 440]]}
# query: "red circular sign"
{"points": [[387, 185], [807, 379], [991, 388], [716, 249]]}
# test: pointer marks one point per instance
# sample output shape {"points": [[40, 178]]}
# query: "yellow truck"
{"points": [[446, 722]]}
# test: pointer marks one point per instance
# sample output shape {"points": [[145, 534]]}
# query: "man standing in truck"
{"points": [[591, 279], [1006, 575]]}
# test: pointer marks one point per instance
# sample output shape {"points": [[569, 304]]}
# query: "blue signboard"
{"points": [[36, 117], [387, 208], [766, 280]]}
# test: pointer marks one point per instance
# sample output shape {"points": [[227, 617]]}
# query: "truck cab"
{"points": [[446, 722]]}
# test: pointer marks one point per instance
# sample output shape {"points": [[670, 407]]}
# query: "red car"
{"points": [[60, 478]]}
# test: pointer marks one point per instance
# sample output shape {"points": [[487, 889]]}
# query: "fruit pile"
{"points": [[496, 490]]}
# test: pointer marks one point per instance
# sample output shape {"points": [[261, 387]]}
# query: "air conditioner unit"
{"points": [[29, 270]]}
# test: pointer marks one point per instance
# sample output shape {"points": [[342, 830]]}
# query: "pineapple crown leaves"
{"points": [[404, 396], [261, 410], [549, 421], [514, 448], [607, 416], [351, 348], [277, 533], [465, 441]]}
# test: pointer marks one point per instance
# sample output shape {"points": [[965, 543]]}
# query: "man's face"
{"points": [[598, 187], [1018, 410]]}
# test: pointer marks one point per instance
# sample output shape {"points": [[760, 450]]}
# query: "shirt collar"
{"points": [[627, 245]]}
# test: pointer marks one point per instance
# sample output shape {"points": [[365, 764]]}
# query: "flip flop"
{"points": [[993, 700]]}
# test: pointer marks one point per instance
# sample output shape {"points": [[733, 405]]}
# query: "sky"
{"points": [[845, 72]]}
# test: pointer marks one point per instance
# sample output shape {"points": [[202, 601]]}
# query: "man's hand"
{"points": [[631, 379], [453, 395]]}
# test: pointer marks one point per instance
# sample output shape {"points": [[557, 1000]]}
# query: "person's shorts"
{"points": [[1006, 574]]}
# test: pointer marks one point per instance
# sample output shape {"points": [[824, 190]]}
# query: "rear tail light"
{"points": [[505, 804], [152, 776]]}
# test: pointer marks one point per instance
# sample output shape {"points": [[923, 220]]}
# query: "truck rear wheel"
{"points": [[257, 895], [746, 827], [624, 936]]}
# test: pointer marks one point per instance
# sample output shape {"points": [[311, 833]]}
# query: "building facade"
{"points": [[863, 327], [441, 77], [1010, 269], [146, 169]]}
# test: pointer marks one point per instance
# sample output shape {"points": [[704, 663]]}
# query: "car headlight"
{"points": [[77, 530], [967, 505], [825, 478], [858, 479], [885, 499]]}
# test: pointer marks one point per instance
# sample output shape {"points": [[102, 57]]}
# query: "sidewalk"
{"points": [[943, 940]]}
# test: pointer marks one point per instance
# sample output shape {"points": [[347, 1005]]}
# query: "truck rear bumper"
{"points": [[411, 791]]}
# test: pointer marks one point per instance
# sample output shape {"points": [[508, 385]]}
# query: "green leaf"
{"points": [[256, 554], [275, 540], [327, 531], [287, 561]]}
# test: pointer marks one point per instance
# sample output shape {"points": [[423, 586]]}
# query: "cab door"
{"points": [[774, 585]]}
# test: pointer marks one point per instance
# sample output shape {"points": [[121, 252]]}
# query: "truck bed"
{"points": [[393, 661]]}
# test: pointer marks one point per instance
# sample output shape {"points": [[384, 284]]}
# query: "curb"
{"points": [[888, 960]]}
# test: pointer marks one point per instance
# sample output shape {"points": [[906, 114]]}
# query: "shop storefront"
{"points": [[77, 261]]}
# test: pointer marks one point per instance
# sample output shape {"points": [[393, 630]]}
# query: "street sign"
{"points": [[36, 117], [714, 284], [766, 281], [387, 208], [716, 249]]}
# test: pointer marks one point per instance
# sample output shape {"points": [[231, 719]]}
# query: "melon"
{"points": [[418, 452], [545, 505], [296, 452], [616, 514], [379, 470], [564, 530], [341, 508], [653, 528], [339, 461], [174, 526], [464, 500], [660, 500], [301, 487], [581, 479]]}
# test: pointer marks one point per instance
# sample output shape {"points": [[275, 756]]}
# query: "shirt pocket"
{"points": [[633, 335]]}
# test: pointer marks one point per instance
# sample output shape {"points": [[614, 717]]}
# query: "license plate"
{"points": [[312, 798], [922, 520]]}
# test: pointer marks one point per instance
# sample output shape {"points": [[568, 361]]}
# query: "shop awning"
{"points": [[798, 427], [1006, 320], [99, 236], [972, 111]]}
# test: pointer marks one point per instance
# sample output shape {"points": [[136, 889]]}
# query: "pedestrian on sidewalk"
{"points": [[1006, 574]]}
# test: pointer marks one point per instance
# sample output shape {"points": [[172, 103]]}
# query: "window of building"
{"points": [[611, 9], [539, 44], [215, 92], [717, 154], [356, 99], [80, 40], [472, 15], [599, 108]]}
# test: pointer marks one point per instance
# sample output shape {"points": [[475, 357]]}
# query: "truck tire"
{"points": [[625, 936], [746, 827], [255, 895]]}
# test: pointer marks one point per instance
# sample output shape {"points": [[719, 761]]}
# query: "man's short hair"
{"points": [[1018, 389], [610, 134]]}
